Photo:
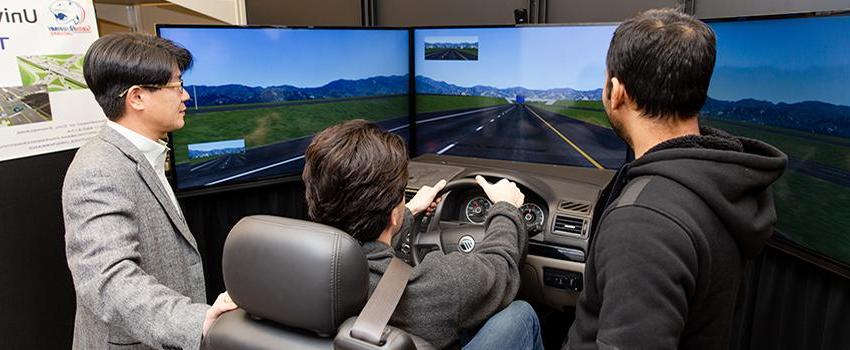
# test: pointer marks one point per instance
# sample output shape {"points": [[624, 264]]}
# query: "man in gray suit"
{"points": [[135, 265]]}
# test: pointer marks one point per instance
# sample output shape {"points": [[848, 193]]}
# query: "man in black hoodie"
{"points": [[674, 227]]}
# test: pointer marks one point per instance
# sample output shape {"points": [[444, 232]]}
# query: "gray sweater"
{"points": [[450, 293]]}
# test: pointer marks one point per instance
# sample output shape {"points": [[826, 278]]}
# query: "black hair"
{"points": [[115, 62], [665, 59]]}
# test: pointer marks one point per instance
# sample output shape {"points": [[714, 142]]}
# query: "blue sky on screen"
{"points": [[534, 58], [783, 60], [299, 57]]}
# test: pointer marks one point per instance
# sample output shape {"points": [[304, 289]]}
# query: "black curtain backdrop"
{"points": [[787, 303], [36, 293]]}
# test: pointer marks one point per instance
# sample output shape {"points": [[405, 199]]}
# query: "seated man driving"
{"points": [[355, 176]]}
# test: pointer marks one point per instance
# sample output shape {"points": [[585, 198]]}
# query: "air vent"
{"points": [[409, 193], [567, 225], [574, 206]]}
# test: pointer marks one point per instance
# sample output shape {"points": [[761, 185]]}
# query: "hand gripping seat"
{"points": [[296, 283]]}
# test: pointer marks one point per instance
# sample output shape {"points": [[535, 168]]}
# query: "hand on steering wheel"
{"points": [[425, 200], [427, 234], [502, 191]]}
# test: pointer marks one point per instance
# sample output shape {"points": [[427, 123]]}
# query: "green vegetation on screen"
{"points": [[263, 126], [438, 103], [588, 111], [830, 150], [811, 211]]}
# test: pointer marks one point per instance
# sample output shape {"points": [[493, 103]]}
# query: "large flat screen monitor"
{"points": [[530, 94], [785, 81], [259, 94]]}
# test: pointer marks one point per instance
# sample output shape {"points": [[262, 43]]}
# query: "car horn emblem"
{"points": [[466, 244]]}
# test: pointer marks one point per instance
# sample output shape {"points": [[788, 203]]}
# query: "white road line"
{"points": [[479, 128], [206, 164], [446, 148], [255, 170], [492, 120], [457, 114], [398, 128]]}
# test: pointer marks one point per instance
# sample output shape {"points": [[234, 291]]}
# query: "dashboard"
{"points": [[558, 208], [472, 206]]}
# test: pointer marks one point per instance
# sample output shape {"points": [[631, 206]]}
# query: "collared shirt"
{"points": [[154, 152]]}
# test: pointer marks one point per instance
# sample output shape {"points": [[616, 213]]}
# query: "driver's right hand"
{"points": [[502, 191]]}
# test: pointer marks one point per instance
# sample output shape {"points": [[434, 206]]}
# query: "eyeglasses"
{"points": [[177, 84]]}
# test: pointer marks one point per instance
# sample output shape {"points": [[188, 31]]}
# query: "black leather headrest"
{"points": [[294, 272]]}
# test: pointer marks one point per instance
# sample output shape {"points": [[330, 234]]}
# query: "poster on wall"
{"points": [[45, 105]]}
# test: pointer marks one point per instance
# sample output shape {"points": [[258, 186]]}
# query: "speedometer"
{"points": [[533, 216], [476, 209]]}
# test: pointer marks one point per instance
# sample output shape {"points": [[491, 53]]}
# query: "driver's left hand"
{"points": [[424, 199]]}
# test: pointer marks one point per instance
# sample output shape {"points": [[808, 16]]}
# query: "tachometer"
{"points": [[476, 209], [533, 216]]}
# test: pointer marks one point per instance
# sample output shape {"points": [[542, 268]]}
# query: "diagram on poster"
{"points": [[45, 105]]}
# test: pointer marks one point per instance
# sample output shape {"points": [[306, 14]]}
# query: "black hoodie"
{"points": [[666, 256]]}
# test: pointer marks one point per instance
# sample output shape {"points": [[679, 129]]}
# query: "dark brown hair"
{"points": [[118, 61], [665, 59], [355, 174]]}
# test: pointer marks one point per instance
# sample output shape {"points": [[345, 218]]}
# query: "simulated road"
{"points": [[261, 162], [510, 132], [450, 54], [521, 133]]}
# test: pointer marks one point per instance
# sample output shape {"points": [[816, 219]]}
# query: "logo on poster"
{"points": [[69, 16]]}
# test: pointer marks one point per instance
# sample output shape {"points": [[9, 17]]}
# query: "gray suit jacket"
{"points": [[136, 267]]}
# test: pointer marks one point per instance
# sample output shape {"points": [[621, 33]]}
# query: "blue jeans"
{"points": [[515, 327]]}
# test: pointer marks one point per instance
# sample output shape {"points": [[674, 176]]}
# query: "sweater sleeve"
{"points": [[646, 273], [487, 279]]}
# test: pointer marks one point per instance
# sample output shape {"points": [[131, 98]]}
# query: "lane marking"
{"points": [[458, 114], [446, 148], [255, 170], [398, 128], [479, 128], [492, 120], [582, 152], [206, 164]]}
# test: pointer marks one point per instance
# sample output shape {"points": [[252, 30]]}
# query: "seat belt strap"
{"points": [[371, 322]]}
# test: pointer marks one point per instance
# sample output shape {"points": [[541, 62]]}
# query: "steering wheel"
{"points": [[430, 236]]}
